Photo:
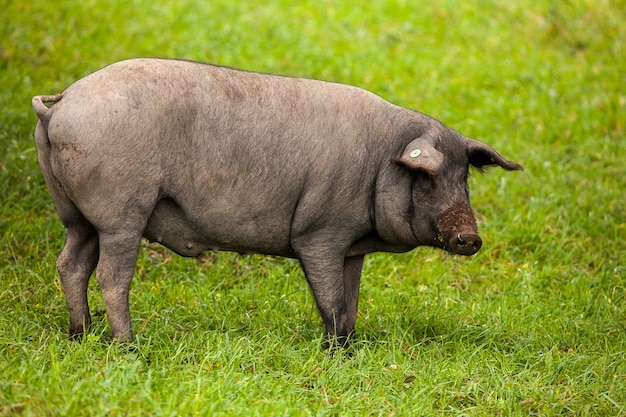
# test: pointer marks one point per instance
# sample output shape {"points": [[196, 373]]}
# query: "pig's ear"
{"points": [[419, 155], [481, 156]]}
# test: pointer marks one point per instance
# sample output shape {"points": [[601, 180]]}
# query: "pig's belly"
{"points": [[191, 234]]}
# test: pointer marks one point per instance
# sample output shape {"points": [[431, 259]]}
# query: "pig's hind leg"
{"points": [[109, 233], [114, 272], [79, 256], [120, 222], [117, 240], [75, 264]]}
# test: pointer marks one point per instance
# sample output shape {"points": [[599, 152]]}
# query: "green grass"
{"points": [[535, 324]]}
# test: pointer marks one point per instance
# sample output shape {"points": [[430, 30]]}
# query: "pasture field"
{"points": [[533, 325]]}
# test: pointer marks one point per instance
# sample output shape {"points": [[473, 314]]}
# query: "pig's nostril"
{"points": [[466, 243]]}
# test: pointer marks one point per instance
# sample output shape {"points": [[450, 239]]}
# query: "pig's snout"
{"points": [[465, 243], [457, 226]]}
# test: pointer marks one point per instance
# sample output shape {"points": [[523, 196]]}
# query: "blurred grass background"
{"points": [[532, 325]]}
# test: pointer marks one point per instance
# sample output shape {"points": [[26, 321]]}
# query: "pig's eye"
{"points": [[424, 175], [424, 180]]}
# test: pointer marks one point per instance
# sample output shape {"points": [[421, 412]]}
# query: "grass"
{"points": [[535, 324]]}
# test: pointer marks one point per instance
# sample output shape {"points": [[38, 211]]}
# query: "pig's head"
{"points": [[425, 199]]}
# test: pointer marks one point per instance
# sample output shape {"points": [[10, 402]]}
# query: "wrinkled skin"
{"points": [[199, 157]]}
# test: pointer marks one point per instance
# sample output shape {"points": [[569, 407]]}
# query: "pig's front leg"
{"points": [[352, 267], [334, 280]]}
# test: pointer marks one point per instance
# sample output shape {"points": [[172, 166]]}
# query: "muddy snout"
{"points": [[457, 226], [465, 243]]}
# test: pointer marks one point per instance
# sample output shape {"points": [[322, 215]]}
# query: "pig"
{"points": [[200, 157]]}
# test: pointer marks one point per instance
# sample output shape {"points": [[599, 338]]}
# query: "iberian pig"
{"points": [[200, 157]]}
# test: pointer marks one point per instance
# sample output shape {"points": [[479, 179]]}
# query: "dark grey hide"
{"points": [[199, 157]]}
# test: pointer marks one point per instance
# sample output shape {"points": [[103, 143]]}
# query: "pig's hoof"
{"points": [[77, 333], [122, 336], [77, 336], [333, 343]]}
